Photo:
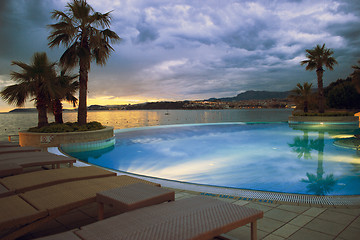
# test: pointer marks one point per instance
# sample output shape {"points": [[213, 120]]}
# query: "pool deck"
{"points": [[281, 220]]}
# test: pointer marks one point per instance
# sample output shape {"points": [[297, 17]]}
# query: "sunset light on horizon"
{"points": [[192, 50]]}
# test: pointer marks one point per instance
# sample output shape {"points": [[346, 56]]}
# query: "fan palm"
{"points": [[77, 31], [317, 58], [67, 86], [302, 95], [35, 80]]}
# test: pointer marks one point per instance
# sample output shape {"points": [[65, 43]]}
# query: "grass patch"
{"points": [[325, 114], [67, 127]]}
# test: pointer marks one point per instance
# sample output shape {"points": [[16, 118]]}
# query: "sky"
{"points": [[192, 49]]}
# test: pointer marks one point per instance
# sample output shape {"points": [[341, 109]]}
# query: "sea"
{"points": [[12, 123]]}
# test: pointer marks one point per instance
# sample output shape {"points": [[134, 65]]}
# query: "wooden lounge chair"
{"points": [[18, 149], [192, 218], [44, 204], [32, 159], [33, 180]]}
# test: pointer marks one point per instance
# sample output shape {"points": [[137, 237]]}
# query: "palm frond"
{"points": [[70, 57], [16, 94]]}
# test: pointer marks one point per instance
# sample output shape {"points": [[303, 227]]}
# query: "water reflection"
{"points": [[301, 146], [86, 156], [318, 183]]}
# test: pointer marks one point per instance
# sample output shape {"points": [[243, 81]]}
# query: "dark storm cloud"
{"points": [[196, 49]]}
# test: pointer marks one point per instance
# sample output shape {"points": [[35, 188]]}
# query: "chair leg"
{"points": [[100, 211], [254, 230]]}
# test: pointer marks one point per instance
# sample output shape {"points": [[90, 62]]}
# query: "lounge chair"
{"points": [[33, 180], [8, 144], [44, 204], [32, 159], [192, 218], [9, 168], [18, 149]]}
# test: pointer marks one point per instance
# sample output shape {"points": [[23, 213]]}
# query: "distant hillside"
{"points": [[254, 95], [22, 110], [31, 110]]}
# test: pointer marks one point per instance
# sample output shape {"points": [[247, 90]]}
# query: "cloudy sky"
{"points": [[186, 49]]}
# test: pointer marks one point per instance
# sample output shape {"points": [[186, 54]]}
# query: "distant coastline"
{"points": [[248, 99]]}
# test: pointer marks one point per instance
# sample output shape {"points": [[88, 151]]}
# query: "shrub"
{"points": [[67, 127]]}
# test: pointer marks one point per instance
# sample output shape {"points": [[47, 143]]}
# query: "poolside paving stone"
{"points": [[244, 233], [314, 211], [356, 222], [261, 207], [269, 225], [326, 227], [292, 208], [286, 230], [349, 211], [280, 215], [308, 234], [350, 233], [340, 218], [301, 220], [273, 237]]}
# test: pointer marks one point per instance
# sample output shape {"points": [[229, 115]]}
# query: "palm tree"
{"points": [[355, 76], [318, 57], [35, 80], [67, 86], [77, 31], [302, 95]]}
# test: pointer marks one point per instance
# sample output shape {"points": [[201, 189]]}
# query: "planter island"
{"points": [[323, 120], [89, 139]]}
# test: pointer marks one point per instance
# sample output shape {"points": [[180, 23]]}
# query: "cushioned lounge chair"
{"points": [[8, 144], [18, 149], [44, 204], [33, 159], [33, 180], [192, 218], [9, 168]]}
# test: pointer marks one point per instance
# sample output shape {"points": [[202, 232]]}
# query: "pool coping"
{"points": [[344, 201]]}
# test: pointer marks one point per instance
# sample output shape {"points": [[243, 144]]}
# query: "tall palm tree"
{"points": [[67, 86], [77, 31], [302, 95], [355, 76], [35, 80], [317, 58]]}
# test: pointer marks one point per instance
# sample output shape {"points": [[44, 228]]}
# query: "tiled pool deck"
{"points": [[281, 221]]}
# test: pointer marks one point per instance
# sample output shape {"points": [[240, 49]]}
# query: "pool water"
{"points": [[258, 156]]}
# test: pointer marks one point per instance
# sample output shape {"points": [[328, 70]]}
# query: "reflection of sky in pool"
{"points": [[270, 157]]}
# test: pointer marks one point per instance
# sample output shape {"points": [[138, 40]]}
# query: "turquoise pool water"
{"points": [[259, 156]]}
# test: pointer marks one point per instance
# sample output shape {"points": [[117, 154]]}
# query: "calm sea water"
{"points": [[11, 123]]}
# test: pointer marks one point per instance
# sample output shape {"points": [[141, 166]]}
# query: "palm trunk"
{"points": [[306, 108], [321, 100], [42, 113], [83, 79], [57, 111]]}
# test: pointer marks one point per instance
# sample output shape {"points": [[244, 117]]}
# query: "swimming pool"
{"points": [[272, 157]]}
